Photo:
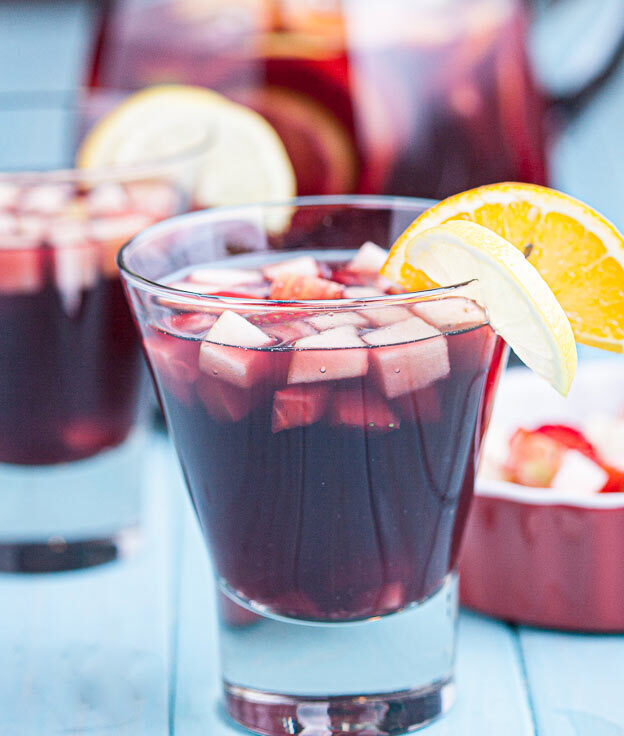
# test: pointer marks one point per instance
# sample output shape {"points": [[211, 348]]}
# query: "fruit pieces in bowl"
{"points": [[564, 457]]}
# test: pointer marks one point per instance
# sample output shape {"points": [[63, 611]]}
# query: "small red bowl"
{"points": [[543, 557]]}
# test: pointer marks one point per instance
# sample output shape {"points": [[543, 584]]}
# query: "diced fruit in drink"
{"points": [[239, 365], [419, 406], [305, 287], [451, 313], [175, 364], [75, 269], [233, 614], [106, 199], [225, 276], [226, 402], [9, 195], [380, 316], [156, 199], [363, 408], [20, 268], [298, 406], [579, 475], [290, 331], [369, 259], [301, 266], [361, 292], [534, 459], [337, 319], [45, 199], [113, 232], [392, 597], [421, 361], [570, 437], [192, 323], [320, 357]]}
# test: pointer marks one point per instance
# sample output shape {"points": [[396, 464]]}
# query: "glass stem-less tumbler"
{"points": [[329, 444]]}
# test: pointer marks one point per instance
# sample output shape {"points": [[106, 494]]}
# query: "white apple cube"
{"points": [[408, 356], [301, 266], [369, 259], [578, 475], [451, 313], [230, 351], [328, 356], [225, 276], [380, 316], [337, 319]]}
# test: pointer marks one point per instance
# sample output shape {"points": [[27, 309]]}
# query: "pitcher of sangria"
{"points": [[409, 97]]}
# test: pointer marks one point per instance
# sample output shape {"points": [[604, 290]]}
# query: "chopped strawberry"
{"points": [[226, 402], [534, 458], [403, 368], [320, 357], [298, 406], [570, 437], [363, 408], [174, 362], [304, 287], [419, 406], [301, 266], [230, 351]]}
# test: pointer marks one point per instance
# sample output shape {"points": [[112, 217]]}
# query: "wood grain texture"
{"points": [[89, 652], [577, 682]]}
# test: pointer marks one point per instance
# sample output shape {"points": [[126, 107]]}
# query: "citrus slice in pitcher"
{"points": [[243, 160]]}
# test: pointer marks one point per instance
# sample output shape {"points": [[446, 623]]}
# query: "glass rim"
{"points": [[99, 174], [187, 220]]}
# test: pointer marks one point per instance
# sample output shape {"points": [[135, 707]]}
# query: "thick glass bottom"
{"points": [[371, 715], [71, 515], [377, 677]]}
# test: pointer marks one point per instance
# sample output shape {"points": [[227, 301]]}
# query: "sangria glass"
{"points": [[71, 376], [329, 447]]}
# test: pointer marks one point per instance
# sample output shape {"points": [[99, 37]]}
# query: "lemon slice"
{"points": [[245, 160], [578, 252], [521, 307]]}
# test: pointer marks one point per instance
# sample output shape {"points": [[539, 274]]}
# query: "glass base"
{"points": [[58, 555], [370, 715], [372, 678], [71, 515]]}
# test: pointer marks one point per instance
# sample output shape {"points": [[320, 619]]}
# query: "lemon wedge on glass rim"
{"points": [[245, 160], [577, 251]]}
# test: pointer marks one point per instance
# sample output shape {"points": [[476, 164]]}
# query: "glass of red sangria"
{"points": [[328, 427], [71, 373]]}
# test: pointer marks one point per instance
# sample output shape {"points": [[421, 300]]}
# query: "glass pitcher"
{"points": [[408, 97]]}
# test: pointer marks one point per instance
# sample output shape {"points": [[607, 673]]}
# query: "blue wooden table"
{"points": [[129, 649]]}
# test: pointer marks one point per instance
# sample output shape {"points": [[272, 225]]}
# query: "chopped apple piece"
{"points": [[381, 316], [225, 276], [402, 368], [578, 475], [361, 292], [363, 408], [328, 320], [242, 364], [328, 356], [451, 313], [305, 287], [369, 259]]}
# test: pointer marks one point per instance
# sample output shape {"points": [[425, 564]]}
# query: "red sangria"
{"points": [[388, 96], [328, 428], [72, 373]]}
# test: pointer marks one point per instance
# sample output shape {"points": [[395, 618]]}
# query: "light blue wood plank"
{"points": [[34, 138], [576, 682], [492, 695], [89, 652], [44, 45]]}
